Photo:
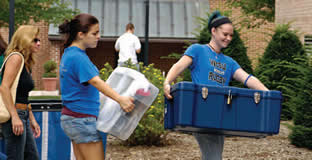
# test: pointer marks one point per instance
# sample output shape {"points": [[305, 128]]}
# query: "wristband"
{"points": [[245, 83]]}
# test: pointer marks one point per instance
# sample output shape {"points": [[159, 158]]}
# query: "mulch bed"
{"points": [[184, 147]]}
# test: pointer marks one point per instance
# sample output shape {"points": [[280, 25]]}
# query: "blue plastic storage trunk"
{"points": [[223, 110]]}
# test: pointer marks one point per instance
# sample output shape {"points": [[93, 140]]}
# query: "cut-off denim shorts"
{"points": [[80, 130]]}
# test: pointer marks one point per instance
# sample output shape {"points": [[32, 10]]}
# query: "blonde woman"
{"points": [[18, 132]]}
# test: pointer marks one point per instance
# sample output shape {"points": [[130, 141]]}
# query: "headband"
{"points": [[217, 20]]}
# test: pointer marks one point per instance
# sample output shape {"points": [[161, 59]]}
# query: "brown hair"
{"points": [[129, 26], [22, 42], [3, 45], [80, 23]]}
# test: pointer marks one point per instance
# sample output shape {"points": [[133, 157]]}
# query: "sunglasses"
{"points": [[36, 40]]}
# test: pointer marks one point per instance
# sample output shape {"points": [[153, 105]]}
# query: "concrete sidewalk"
{"points": [[44, 93]]}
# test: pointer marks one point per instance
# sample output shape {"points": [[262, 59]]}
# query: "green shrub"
{"points": [[49, 75], [282, 67], [49, 69], [106, 71], [284, 45], [303, 111], [150, 130], [301, 136], [45, 97]]}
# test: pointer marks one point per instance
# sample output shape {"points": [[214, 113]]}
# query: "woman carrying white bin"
{"points": [[80, 86]]}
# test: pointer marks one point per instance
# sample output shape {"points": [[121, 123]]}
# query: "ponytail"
{"points": [[70, 30], [81, 23]]}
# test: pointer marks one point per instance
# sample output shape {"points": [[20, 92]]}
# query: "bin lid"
{"points": [[246, 92], [190, 86], [225, 90]]}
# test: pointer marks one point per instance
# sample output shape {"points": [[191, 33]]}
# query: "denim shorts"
{"points": [[80, 130]]}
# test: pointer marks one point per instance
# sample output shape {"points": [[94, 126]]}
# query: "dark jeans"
{"points": [[211, 146], [21, 147]]}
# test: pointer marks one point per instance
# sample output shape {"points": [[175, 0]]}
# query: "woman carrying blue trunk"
{"points": [[210, 66]]}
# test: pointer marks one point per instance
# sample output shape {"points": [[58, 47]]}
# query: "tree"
{"points": [[282, 67], [50, 11], [303, 111], [301, 135], [256, 12]]}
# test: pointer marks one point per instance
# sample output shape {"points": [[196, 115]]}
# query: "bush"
{"points": [[282, 67], [303, 112], [106, 71], [150, 130], [301, 136], [49, 69], [284, 45]]}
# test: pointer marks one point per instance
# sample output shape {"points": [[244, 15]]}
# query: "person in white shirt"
{"points": [[128, 45]]}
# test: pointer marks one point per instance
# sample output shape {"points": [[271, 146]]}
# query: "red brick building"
{"points": [[299, 14]]}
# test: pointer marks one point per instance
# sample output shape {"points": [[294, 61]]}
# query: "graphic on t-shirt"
{"points": [[217, 64], [62, 70], [218, 72]]}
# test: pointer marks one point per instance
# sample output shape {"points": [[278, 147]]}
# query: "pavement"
{"points": [[44, 93]]}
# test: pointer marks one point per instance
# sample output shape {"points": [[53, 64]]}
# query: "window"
{"points": [[167, 18], [308, 44]]}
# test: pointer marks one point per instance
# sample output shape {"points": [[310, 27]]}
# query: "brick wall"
{"points": [[298, 12], [49, 50]]}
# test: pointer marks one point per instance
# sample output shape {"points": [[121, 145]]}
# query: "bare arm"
{"points": [[126, 103], [137, 45], [12, 67], [138, 51], [174, 72], [117, 48], [34, 125], [253, 83]]}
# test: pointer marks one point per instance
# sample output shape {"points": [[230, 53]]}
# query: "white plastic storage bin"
{"points": [[127, 82]]}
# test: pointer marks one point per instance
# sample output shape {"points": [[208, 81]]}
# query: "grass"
{"points": [[44, 97], [288, 124]]}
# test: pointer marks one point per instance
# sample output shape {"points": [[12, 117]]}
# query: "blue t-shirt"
{"points": [[209, 67], [76, 69]]}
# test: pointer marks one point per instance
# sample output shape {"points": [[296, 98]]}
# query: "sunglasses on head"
{"points": [[36, 40]]}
